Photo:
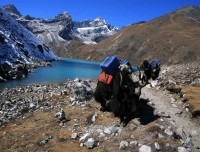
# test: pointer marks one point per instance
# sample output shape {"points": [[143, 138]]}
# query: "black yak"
{"points": [[148, 70], [121, 92]]}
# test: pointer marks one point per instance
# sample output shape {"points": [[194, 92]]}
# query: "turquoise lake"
{"points": [[59, 72]]}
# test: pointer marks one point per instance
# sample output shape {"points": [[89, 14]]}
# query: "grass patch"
{"points": [[193, 97]]}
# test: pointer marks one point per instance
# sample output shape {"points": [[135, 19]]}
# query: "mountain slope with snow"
{"points": [[172, 38], [19, 44], [95, 31], [61, 33]]}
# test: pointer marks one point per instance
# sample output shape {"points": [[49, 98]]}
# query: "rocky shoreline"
{"points": [[18, 70], [86, 128]]}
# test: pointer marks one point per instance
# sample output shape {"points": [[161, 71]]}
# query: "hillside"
{"points": [[173, 38]]}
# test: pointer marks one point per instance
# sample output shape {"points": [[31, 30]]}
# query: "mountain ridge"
{"points": [[172, 38], [60, 31]]}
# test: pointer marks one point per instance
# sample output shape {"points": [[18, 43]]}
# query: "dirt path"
{"points": [[174, 114]]}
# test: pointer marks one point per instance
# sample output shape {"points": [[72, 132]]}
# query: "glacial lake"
{"points": [[59, 72]]}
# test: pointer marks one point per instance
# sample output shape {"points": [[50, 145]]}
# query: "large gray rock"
{"points": [[81, 90], [145, 148]]}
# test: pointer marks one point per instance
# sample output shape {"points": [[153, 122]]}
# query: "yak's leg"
{"points": [[103, 106]]}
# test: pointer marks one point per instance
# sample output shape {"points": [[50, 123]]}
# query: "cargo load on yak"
{"points": [[155, 63], [110, 65], [109, 68]]}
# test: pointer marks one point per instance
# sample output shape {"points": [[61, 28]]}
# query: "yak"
{"points": [[121, 93], [147, 71]]}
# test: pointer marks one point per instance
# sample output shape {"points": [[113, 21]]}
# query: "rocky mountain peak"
{"points": [[56, 31], [189, 11], [63, 16], [12, 10], [98, 22]]}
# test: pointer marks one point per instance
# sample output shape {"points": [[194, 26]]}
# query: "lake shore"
{"points": [[59, 72]]}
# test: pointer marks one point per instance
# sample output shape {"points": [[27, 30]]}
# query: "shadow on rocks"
{"points": [[146, 112]]}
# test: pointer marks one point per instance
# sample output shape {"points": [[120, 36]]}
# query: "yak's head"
{"points": [[155, 72], [125, 75]]}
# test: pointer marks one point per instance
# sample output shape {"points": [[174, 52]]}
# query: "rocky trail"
{"points": [[172, 110]]}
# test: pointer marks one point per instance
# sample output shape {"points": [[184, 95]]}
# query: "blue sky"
{"points": [[116, 12]]}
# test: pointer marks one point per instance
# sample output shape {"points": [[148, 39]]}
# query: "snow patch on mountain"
{"points": [[19, 44], [94, 31]]}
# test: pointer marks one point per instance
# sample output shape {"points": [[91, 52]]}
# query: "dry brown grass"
{"points": [[193, 97], [26, 134]]}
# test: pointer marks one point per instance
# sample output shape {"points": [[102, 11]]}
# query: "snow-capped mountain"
{"points": [[19, 44], [58, 32], [94, 31]]}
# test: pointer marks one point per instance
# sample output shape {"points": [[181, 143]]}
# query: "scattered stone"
{"points": [[182, 149], [107, 131], [95, 134], [81, 90], [123, 145], [167, 145], [181, 133], [99, 130], [75, 126], [194, 133], [164, 115], [133, 143], [151, 103], [145, 148], [173, 100], [154, 83], [157, 145], [148, 138], [114, 130], [168, 132], [94, 117], [178, 111], [160, 136], [85, 137], [74, 136], [187, 110], [102, 135], [43, 142], [90, 143], [81, 144], [61, 116], [174, 105], [132, 126]]}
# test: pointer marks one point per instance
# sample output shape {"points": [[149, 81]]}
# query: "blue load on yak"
{"points": [[122, 61], [155, 63], [110, 65]]}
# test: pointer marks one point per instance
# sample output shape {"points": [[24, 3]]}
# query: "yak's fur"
{"points": [[147, 71], [121, 93]]}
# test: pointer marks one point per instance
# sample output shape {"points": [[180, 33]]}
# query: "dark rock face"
{"points": [[1, 38], [18, 49], [40, 48], [18, 70], [99, 38], [10, 72], [66, 32], [13, 10]]}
